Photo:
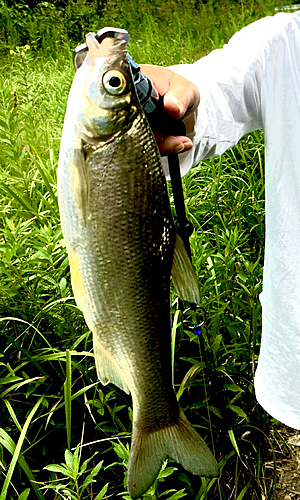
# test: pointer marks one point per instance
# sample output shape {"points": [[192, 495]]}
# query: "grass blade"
{"points": [[15, 450], [12, 414], [234, 444], [102, 492], [173, 341], [67, 395], [242, 494]]}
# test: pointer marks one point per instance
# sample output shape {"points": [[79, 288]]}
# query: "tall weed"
{"points": [[50, 399]]}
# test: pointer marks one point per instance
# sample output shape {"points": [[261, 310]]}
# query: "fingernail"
{"points": [[178, 148], [176, 101]]}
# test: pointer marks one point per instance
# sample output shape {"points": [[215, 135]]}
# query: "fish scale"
{"points": [[122, 248]]}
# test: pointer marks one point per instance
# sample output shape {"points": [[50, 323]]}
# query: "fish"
{"points": [[123, 248]]}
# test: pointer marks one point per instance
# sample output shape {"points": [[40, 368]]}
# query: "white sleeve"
{"points": [[229, 81]]}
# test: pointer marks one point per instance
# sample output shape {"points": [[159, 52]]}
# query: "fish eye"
{"points": [[114, 82]]}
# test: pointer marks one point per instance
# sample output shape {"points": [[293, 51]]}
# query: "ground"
{"points": [[286, 444]]}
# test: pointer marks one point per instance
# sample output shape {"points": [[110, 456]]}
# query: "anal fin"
{"points": [[107, 368]]}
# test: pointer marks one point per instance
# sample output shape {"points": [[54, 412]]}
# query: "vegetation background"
{"points": [[62, 434]]}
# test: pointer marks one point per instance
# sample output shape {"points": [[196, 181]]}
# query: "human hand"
{"points": [[180, 97]]}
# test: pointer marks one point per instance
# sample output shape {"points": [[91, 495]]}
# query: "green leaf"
{"points": [[177, 495], [90, 478], [242, 494], [23, 200], [216, 344], [234, 444], [167, 472], [118, 408], [9, 444], [72, 462], [233, 387], [58, 468], [121, 451], [9, 380], [233, 441], [173, 338], [12, 414], [239, 411], [102, 492], [215, 410], [44, 174], [96, 469], [67, 396], [17, 450], [24, 495], [85, 464], [192, 371]]}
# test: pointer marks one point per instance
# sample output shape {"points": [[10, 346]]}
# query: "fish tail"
{"points": [[180, 443]]}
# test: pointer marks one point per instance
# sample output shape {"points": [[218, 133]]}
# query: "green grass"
{"points": [[53, 410]]}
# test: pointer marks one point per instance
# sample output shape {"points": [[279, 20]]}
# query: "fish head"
{"points": [[108, 101]]}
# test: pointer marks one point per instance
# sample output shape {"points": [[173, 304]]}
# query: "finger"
{"points": [[181, 96], [172, 144], [158, 136], [159, 76], [174, 106]]}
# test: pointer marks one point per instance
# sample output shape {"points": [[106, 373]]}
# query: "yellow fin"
{"points": [[76, 279], [107, 368], [184, 278], [80, 182]]}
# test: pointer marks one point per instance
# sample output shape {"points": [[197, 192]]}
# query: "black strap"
{"points": [[183, 225], [184, 229]]}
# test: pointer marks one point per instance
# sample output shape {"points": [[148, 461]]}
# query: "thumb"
{"points": [[174, 105], [182, 98]]}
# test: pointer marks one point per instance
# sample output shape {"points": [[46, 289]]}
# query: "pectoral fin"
{"points": [[80, 183], [184, 278], [76, 279]]}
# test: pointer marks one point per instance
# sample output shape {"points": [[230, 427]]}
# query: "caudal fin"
{"points": [[180, 443]]}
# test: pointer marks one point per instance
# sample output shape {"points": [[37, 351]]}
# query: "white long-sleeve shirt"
{"points": [[254, 83]]}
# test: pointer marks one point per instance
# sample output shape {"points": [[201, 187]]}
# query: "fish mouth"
{"points": [[106, 48], [97, 48]]}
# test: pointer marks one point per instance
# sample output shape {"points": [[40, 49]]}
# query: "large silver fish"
{"points": [[122, 245]]}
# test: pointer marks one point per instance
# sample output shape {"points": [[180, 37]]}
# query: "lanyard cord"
{"points": [[184, 229], [183, 225]]}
